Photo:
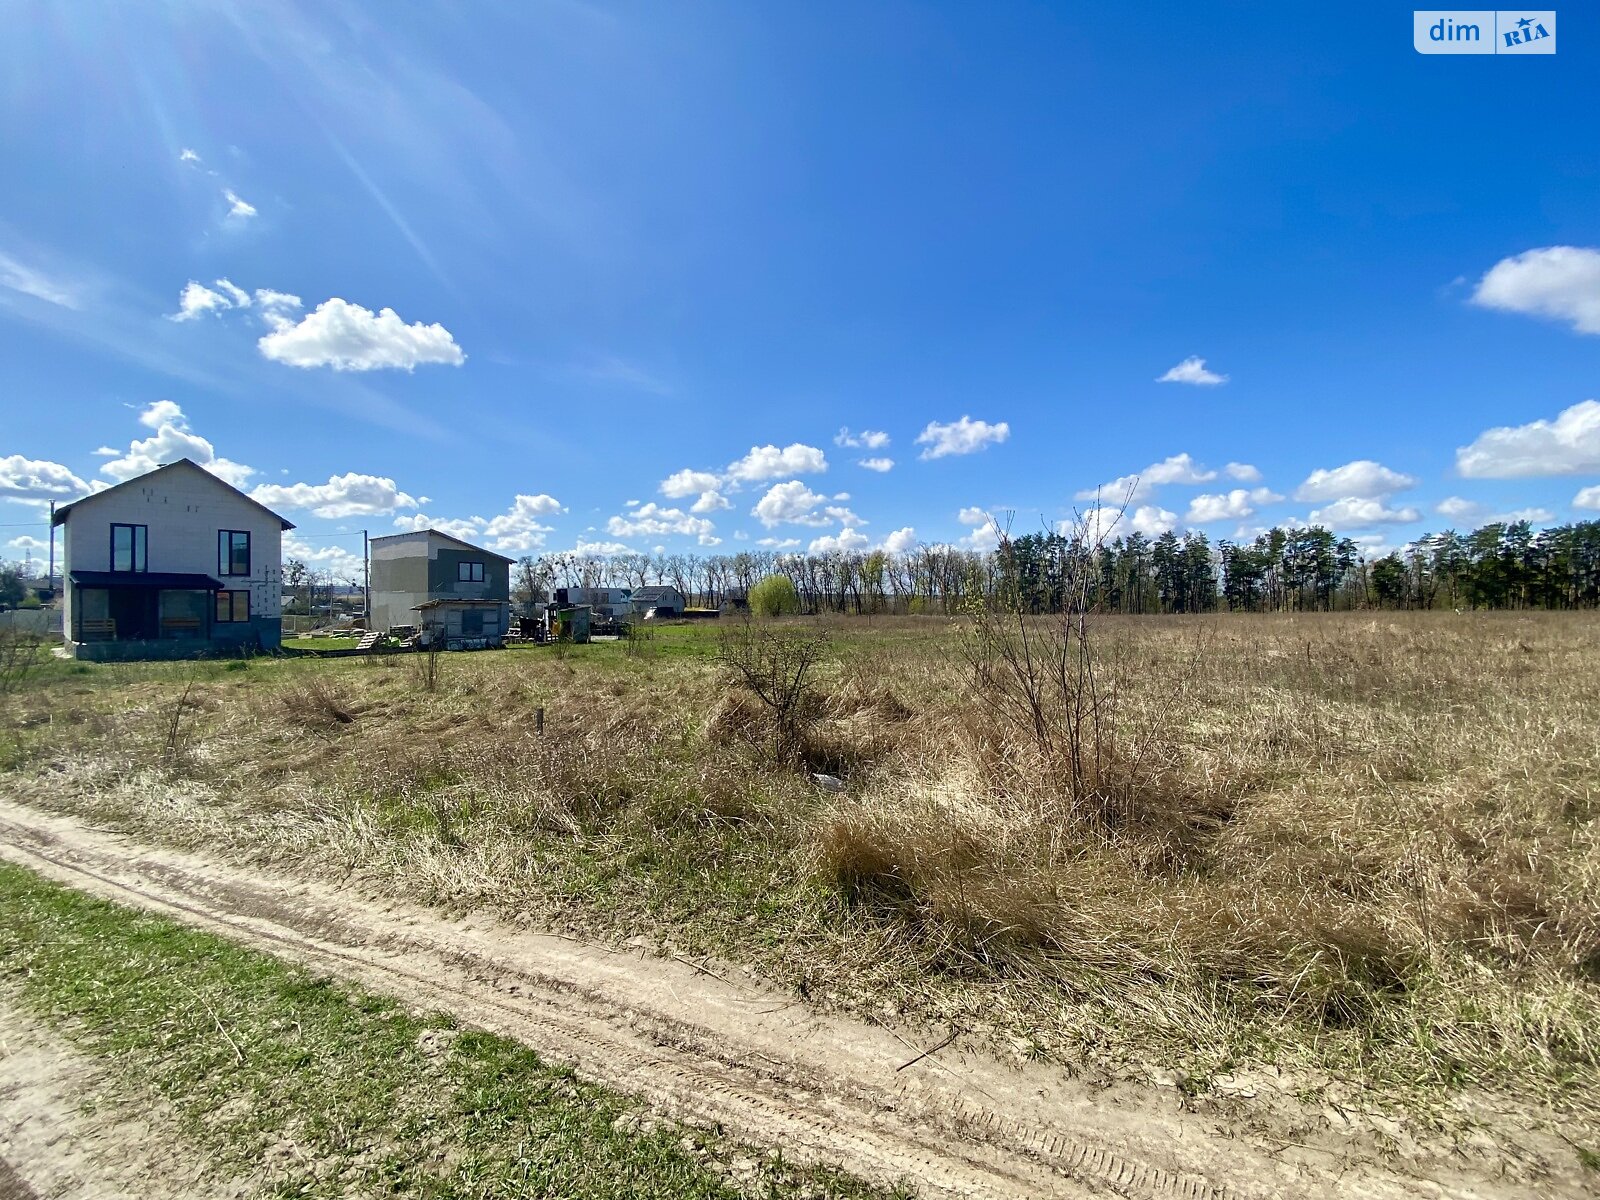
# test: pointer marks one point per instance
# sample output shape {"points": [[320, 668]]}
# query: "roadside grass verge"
{"points": [[312, 1089]]}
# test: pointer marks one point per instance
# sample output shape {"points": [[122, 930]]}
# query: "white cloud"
{"points": [[841, 496], [1192, 370], [1361, 479], [710, 500], [792, 503], [707, 539], [1098, 523], [275, 301], [196, 300], [1457, 508], [600, 549], [769, 462], [468, 529], [344, 562], [188, 156], [973, 516], [1558, 282], [1179, 468], [881, 465], [238, 208], [515, 531], [37, 480], [173, 439], [30, 281], [902, 541], [773, 543], [740, 535], [688, 483], [1569, 445], [347, 337], [1361, 512], [27, 542], [1228, 506], [1588, 498], [845, 540], [1243, 472], [653, 520], [348, 495], [965, 436], [867, 439], [1153, 520], [984, 538], [844, 516]]}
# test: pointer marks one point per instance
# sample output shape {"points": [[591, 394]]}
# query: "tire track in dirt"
{"points": [[712, 1050]]}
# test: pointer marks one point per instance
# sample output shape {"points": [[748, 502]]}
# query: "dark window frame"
{"points": [[225, 552], [470, 571], [138, 549], [232, 617]]}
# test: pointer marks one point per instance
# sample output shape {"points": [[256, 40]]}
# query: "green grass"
{"points": [[250, 1053]]}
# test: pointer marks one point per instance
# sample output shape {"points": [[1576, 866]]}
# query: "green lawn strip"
{"points": [[256, 1058]]}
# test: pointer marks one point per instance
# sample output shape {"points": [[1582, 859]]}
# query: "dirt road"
{"points": [[709, 1046]]}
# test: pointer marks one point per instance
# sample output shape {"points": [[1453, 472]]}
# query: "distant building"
{"points": [[458, 591], [657, 601], [172, 564], [604, 603]]}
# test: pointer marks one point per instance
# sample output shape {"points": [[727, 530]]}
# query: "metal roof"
{"points": [[167, 580]]}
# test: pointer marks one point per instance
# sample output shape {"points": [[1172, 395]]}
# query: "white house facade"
{"points": [[171, 564]]}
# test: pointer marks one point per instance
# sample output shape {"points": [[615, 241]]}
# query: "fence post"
{"points": [[538, 720]]}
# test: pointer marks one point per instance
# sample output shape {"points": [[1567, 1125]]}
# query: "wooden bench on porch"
{"points": [[97, 631], [180, 627]]}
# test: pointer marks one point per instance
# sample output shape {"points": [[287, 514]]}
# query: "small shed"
{"points": [[462, 624], [570, 624]]}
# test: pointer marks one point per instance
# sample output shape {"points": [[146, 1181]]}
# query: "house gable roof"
{"points": [[66, 509], [439, 533]]}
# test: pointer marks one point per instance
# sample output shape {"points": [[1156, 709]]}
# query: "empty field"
{"points": [[1346, 864]]}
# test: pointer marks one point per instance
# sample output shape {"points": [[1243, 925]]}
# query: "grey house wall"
{"points": [[409, 569]]}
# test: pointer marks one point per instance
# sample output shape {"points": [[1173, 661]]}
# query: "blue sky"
{"points": [[663, 254]]}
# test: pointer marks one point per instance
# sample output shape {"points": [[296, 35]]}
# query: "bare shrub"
{"points": [[425, 666], [1049, 717], [776, 663], [21, 651], [316, 704]]}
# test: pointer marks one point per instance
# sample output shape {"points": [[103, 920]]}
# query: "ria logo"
{"points": [[1484, 31]]}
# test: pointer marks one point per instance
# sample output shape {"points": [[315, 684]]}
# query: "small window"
{"points": [[469, 572], [128, 544], [233, 607], [472, 622], [233, 552]]}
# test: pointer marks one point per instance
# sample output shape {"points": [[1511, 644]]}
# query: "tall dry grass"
{"points": [[1353, 847]]}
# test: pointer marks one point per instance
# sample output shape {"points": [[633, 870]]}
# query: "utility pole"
{"points": [[51, 579], [366, 579]]}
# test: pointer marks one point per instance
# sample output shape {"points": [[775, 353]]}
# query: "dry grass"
{"points": [[1364, 850]]}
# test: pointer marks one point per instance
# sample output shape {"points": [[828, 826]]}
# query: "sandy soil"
{"points": [[709, 1045], [60, 1139]]}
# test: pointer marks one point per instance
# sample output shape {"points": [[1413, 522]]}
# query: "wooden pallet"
{"points": [[369, 640]]}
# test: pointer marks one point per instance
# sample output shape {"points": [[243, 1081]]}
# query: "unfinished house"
{"points": [[450, 591], [174, 563]]}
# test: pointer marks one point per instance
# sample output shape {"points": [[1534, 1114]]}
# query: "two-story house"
{"points": [[174, 563], [454, 591]]}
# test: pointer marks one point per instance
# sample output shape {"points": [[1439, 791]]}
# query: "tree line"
{"points": [[1281, 570]]}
